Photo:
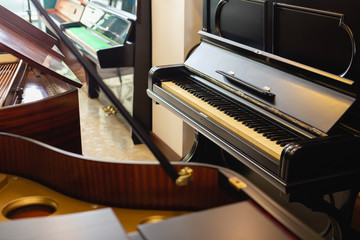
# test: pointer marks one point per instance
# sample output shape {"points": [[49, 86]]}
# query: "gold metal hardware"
{"points": [[3, 180], [186, 176], [153, 219], [109, 110], [33, 204], [237, 183]]}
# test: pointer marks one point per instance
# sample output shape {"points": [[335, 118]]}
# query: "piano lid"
{"points": [[281, 92], [35, 47]]}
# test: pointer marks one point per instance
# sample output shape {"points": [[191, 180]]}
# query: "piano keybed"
{"points": [[88, 38], [249, 126]]}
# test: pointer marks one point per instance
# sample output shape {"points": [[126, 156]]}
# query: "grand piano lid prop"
{"points": [[35, 47]]}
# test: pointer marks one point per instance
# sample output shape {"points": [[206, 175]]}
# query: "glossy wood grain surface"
{"points": [[49, 113], [17, 24], [32, 45], [128, 184]]}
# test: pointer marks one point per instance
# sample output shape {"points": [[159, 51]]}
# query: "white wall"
{"points": [[175, 24]]}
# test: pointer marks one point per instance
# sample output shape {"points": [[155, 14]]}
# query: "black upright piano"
{"points": [[105, 37], [115, 27], [272, 92]]}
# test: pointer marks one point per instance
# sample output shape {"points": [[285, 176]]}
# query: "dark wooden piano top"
{"points": [[37, 48]]}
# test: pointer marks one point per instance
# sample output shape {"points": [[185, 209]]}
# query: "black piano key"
{"points": [[243, 117], [215, 103], [287, 140], [209, 98], [202, 94], [224, 107], [275, 132], [223, 103], [235, 115], [227, 108], [234, 111], [274, 137], [265, 128], [248, 124], [254, 125], [281, 138], [253, 121], [199, 94], [282, 143]]}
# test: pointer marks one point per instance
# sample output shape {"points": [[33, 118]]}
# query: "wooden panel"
{"points": [[35, 47], [243, 21], [312, 37], [126, 184], [54, 120], [28, 31]]}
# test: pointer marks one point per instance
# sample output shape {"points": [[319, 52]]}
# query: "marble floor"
{"points": [[106, 136]]}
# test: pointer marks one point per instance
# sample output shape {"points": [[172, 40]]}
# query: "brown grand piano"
{"points": [[274, 97], [39, 96]]}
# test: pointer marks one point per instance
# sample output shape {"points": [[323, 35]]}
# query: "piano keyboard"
{"points": [[258, 131]]}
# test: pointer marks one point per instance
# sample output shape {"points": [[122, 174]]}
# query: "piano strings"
{"points": [[8, 66]]}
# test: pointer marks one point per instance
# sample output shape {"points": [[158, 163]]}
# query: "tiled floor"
{"points": [[105, 136]]}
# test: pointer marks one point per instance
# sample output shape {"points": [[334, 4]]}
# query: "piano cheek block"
{"points": [[119, 56], [319, 158]]}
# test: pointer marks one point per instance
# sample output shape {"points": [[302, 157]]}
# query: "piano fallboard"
{"points": [[297, 94]]}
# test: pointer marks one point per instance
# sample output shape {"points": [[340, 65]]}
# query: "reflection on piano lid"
{"points": [[37, 105], [37, 94], [103, 35], [32, 45], [289, 136], [67, 11]]}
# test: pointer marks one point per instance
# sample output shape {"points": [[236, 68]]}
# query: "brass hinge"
{"points": [[237, 183], [185, 176]]}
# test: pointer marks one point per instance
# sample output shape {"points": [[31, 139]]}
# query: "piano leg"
{"points": [[340, 208], [205, 151], [93, 87], [329, 215]]}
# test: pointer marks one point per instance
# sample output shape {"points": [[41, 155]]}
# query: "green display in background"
{"points": [[94, 42], [49, 4]]}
